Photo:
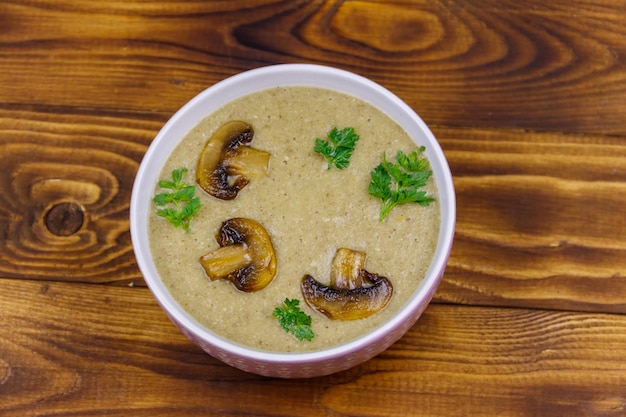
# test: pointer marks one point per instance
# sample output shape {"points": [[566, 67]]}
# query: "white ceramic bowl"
{"points": [[291, 365]]}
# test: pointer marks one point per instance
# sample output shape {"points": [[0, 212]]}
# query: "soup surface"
{"points": [[308, 210]]}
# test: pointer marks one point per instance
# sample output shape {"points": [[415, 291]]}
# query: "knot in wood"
{"points": [[65, 219]]}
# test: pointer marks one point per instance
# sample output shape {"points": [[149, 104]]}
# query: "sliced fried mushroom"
{"points": [[353, 293], [227, 162], [246, 255]]}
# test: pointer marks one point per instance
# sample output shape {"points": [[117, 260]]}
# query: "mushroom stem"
{"points": [[247, 161], [345, 272], [225, 260]]}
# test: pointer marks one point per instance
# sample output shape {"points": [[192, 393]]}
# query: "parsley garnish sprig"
{"points": [[181, 203], [338, 147], [399, 183], [293, 320]]}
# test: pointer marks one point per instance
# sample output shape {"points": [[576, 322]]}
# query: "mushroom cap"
{"points": [[348, 304]]}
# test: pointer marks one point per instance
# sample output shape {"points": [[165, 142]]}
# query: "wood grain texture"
{"points": [[541, 219], [537, 65], [528, 99], [540, 222], [72, 349], [51, 159]]}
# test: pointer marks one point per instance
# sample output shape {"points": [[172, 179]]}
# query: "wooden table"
{"points": [[528, 100]]}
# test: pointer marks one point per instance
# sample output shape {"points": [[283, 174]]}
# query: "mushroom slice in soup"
{"points": [[246, 255], [353, 293], [227, 162]]}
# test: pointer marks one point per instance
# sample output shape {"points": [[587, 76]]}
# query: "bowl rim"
{"points": [[289, 75]]}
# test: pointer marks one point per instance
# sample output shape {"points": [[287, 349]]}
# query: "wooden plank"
{"points": [[541, 216], [541, 220], [533, 65], [80, 349]]}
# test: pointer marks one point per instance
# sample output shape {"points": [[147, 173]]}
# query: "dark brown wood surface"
{"points": [[528, 100]]}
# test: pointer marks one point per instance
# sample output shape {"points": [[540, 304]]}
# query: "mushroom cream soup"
{"points": [[309, 212]]}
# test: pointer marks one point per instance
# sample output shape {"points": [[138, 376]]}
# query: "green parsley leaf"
{"points": [[338, 147], [180, 204], [293, 320], [400, 183]]}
